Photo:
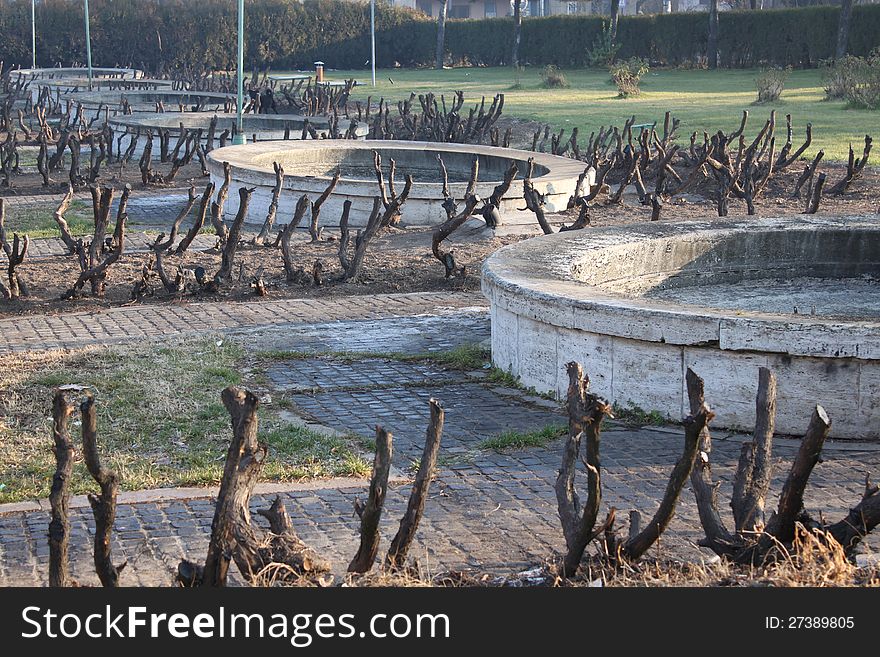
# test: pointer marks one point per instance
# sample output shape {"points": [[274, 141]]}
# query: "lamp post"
{"points": [[33, 34], [373, 39], [88, 43], [239, 137]]}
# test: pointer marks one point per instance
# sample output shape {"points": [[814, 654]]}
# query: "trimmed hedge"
{"points": [[169, 34], [173, 34]]}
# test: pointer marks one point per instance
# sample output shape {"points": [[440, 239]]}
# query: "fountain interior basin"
{"points": [[638, 305]]}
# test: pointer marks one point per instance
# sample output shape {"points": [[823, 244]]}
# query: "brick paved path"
{"points": [[32, 332], [488, 510]]}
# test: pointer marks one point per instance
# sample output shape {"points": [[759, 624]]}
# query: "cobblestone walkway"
{"points": [[489, 510], [34, 332]]}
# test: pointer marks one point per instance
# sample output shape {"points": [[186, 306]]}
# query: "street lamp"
{"points": [[239, 137], [88, 44]]}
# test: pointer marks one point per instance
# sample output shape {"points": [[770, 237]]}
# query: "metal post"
{"points": [[33, 34], [373, 38], [239, 137], [88, 44]]}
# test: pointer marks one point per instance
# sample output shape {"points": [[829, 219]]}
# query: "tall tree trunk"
{"points": [[517, 31], [441, 35], [615, 15], [712, 45], [843, 28]]}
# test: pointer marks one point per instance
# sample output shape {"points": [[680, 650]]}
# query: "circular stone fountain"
{"points": [[145, 101], [266, 127], [79, 72], [637, 305], [309, 166]]}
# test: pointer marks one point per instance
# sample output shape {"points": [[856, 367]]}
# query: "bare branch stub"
{"points": [[199, 221], [223, 277], [748, 510], [791, 501], [302, 206], [66, 237], [371, 511], [444, 230], [586, 412], [491, 209], [93, 267], [635, 547], [220, 227], [263, 235], [351, 265], [233, 537], [103, 505], [535, 200], [59, 496], [15, 255], [415, 508], [718, 538], [315, 230]]}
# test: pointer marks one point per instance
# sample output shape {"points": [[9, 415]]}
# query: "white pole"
{"points": [[373, 38], [88, 43], [33, 34], [239, 137]]}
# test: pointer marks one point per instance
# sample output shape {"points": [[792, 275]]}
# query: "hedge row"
{"points": [[168, 34]]}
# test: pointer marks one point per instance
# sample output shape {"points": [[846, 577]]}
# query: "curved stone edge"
{"points": [[633, 362], [424, 204], [527, 278]]}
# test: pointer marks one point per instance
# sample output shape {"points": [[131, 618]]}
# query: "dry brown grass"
{"points": [[816, 560]]}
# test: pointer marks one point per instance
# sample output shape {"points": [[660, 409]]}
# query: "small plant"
{"points": [[840, 77], [865, 92], [553, 78], [633, 414], [520, 440], [770, 84], [628, 74], [603, 50], [517, 79]]}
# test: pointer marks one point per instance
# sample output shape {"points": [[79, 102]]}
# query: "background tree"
{"points": [[615, 16], [441, 36], [712, 45], [843, 28], [517, 30]]}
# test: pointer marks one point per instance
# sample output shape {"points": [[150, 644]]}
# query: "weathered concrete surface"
{"points": [[311, 164], [78, 72], [587, 296], [145, 101], [265, 127]]}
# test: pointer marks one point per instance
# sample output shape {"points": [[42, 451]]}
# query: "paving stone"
{"points": [[487, 510]]}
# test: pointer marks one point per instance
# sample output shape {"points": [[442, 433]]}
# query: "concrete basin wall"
{"points": [[267, 127], [309, 166], [145, 100], [79, 72], [582, 296]]}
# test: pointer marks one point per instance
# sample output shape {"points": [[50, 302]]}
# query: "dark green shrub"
{"points": [[603, 49]]}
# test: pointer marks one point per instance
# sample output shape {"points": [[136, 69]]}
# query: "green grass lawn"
{"points": [[40, 222], [160, 419], [703, 100]]}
